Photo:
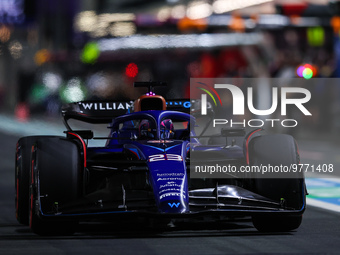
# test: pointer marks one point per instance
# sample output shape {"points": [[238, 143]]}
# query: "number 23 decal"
{"points": [[159, 157]]}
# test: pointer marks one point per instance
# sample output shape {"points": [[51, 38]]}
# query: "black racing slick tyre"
{"points": [[55, 181], [287, 188], [277, 223], [22, 170]]}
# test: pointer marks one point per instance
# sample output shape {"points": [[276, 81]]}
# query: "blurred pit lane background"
{"points": [[54, 52], [57, 52]]}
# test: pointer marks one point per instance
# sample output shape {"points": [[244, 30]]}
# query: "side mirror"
{"points": [[85, 134], [229, 132]]}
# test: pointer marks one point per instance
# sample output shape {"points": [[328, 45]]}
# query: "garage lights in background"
{"points": [[74, 91], [306, 71], [223, 6], [12, 11], [120, 29], [125, 24], [145, 42], [52, 81], [99, 25], [39, 93], [316, 36], [15, 48], [5, 33], [48, 85], [99, 85], [199, 9], [90, 53], [42, 56]]}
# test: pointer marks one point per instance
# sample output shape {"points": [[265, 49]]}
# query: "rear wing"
{"points": [[96, 112], [181, 105], [103, 112]]}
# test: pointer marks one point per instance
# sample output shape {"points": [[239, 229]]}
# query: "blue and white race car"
{"points": [[144, 170]]}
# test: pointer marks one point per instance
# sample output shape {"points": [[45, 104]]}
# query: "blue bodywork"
{"points": [[165, 159]]}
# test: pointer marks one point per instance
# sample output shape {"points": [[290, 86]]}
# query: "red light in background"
{"points": [[22, 112], [131, 70]]}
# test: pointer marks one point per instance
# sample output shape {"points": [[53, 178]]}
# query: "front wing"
{"points": [[226, 200]]}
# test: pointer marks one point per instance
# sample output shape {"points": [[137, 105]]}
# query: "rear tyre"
{"points": [[277, 150], [55, 182], [22, 171]]}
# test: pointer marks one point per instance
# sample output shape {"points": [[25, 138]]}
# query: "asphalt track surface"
{"points": [[318, 234]]}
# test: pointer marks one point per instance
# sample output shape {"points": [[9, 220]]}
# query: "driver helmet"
{"points": [[145, 130], [167, 129]]}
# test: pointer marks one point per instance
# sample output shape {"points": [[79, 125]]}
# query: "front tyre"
{"points": [[276, 224], [277, 150]]}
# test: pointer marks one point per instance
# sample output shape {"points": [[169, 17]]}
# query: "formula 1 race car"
{"points": [[145, 167]]}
